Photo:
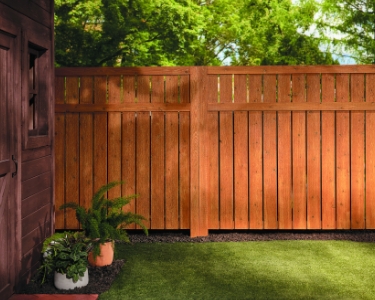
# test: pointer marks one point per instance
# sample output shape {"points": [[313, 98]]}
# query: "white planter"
{"points": [[63, 283]]}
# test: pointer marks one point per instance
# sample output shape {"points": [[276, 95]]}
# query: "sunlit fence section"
{"points": [[221, 147]]}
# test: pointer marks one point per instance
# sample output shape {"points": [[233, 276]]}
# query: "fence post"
{"points": [[198, 160]]}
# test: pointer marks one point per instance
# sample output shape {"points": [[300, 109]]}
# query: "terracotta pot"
{"points": [[106, 255], [63, 283]]}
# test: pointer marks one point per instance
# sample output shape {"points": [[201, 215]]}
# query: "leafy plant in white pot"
{"points": [[104, 222], [67, 258]]}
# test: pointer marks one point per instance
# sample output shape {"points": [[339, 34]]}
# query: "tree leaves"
{"points": [[350, 27], [185, 32]]}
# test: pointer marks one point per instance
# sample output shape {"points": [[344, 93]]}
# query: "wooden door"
{"points": [[7, 181]]}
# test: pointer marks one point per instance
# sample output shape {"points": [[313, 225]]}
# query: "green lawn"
{"points": [[246, 270]]}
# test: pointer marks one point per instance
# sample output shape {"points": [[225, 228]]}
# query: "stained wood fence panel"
{"points": [[221, 148]]}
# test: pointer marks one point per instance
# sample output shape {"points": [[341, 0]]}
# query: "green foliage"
{"points": [[66, 255], [126, 33], [350, 27], [105, 220], [185, 32]]}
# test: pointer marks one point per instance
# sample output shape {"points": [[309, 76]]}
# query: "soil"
{"points": [[100, 279]]}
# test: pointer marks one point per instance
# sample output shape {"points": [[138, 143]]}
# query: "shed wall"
{"points": [[31, 23]]}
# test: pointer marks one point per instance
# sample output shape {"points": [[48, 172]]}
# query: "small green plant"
{"points": [[105, 220], [66, 255]]}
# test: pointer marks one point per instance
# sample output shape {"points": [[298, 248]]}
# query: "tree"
{"points": [[276, 33], [185, 32], [350, 25], [124, 32]]}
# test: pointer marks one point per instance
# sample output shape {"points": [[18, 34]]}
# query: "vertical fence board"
{"points": [[143, 127], [370, 154], [199, 157], [299, 154], [171, 156], [184, 156], [313, 155], [128, 142], [255, 155], [213, 144], [284, 159], [60, 137], [357, 154], [343, 154], [226, 156], [269, 156], [100, 136], [114, 136], [86, 136], [72, 155], [328, 155], [157, 157], [241, 159]]}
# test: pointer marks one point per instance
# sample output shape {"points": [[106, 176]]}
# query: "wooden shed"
{"points": [[26, 137]]}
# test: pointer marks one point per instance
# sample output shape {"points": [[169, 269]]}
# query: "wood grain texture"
{"points": [[342, 154], [255, 155], [198, 181], [328, 156], [143, 129], [357, 152], [286, 151], [86, 144], [171, 156], [270, 157], [241, 157], [299, 153], [158, 157], [59, 146], [100, 137], [128, 144], [108, 71], [184, 156], [72, 152], [213, 158], [284, 155], [114, 136], [226, 156], [370, 155], [313, 155]]}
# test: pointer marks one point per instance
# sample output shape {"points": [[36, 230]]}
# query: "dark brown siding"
{"points": [[29, 21]]}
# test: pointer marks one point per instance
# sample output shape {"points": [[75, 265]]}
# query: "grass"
{"points": [[246, 270]]}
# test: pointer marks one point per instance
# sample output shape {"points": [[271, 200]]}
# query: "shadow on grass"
{"points": [[248, 270]]}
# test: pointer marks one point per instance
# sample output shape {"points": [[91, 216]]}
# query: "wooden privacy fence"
{"points": [[221, 147]]}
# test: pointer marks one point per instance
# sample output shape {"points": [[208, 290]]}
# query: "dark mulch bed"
{"points": [[253, 235], [100, 279]]}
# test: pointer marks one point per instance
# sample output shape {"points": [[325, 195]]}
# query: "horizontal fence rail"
{"points": [[221, 147]]}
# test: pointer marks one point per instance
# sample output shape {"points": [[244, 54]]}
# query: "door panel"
{"points": [[7, 195]]}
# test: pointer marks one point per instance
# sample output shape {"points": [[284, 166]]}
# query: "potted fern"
{"points": [[66, 258], [104, 222]]}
